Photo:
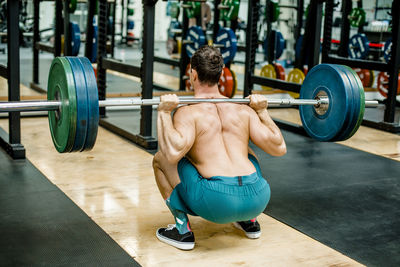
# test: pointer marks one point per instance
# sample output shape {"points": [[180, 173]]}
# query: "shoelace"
{"points": [[170, 227]]}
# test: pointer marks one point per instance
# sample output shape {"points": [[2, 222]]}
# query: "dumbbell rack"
{"points": [[392, 68]]}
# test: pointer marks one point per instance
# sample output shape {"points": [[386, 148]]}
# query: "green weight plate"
{"points": [[72, 6], [93, 103], [174, 10], [194, 10], [232, 10], [82, 103], [62, 123], [274, 11], [357, 17], [354, 100], [362, 104], [131, 11]]}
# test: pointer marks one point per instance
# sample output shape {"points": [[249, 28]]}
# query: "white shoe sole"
{"points": [[253, 235], [174, 243]]}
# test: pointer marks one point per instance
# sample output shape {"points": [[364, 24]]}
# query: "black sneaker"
{"points": [[251, 229], [171, 236]]}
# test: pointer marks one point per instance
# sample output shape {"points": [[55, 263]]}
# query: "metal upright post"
{"points": [[102, 52], [345, 28], [184, 60], [36, 38], [16, 150], [67, 32], [146, 69], [394, 64], [300, 12], [314, 48], [251, 45], [326, 45], [90, 29], [113, 30], [58, 30]]}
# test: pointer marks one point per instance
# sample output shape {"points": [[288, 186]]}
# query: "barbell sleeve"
{"points": [[54, 105]]}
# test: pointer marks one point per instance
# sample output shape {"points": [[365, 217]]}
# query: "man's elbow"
{"points": [[280, 150]]}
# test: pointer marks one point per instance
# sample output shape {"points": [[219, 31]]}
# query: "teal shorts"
{"points": [[220, 199]]}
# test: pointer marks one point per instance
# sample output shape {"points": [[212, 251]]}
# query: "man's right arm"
{"points": [[263, 131]]}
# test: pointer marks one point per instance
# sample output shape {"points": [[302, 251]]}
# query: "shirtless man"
{"points": [[204, 166]]}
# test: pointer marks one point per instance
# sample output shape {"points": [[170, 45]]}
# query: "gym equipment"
{"points": [[383, 84], [332, 103], [229, 9], [339, 85], [280, 44], [194, 40], [75, 38], [174, 30], [272, 71], [358, 46], [72, 6], [93, 59], [357, 17], [274, 11], [227, 42], [226, 84], [192, 8], [295, 76], [387, 50], [174, 10], [366, 76]]}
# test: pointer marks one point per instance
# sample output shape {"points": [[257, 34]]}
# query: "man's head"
{"points": [[208, 63]]}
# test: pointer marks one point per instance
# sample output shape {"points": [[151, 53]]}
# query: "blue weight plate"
{"points": [[361, 99], [227, 38], [174, 25], [358, 46], [75, 38], [93, 103], [280, 44], [94, 47], [387, 50], [195, 34], [130, 25], [354, 100], [326, 78], [81, 103]]}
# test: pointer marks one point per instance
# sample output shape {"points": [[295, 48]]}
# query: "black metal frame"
{"points": [[311, 38], [392, 68], [12, 142], [145, 72]]}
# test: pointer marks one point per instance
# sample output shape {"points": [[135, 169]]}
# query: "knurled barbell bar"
{"points": [[331, 106]]}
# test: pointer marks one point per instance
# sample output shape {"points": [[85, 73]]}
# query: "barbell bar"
{"points": [[331, 103], [23, 106]]}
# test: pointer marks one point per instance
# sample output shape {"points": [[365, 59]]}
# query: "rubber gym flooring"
{"points": [[41, 226], [345, 198]]}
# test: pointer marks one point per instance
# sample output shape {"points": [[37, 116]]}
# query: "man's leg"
{"points": [[167, 179]]}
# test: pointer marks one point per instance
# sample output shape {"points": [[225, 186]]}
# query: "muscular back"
{"points": [[222, 133]]}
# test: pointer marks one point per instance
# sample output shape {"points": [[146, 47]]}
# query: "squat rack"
{"points": [[392, 67]]}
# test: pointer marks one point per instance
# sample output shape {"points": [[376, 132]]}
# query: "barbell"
{"points": [[331, 106]]}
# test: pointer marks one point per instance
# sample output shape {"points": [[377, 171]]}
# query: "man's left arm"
{"points": [[175, 136]]}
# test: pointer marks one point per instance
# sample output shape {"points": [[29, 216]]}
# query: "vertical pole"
{"points": [[89, 29], [251, 45], [59, 29], [113, 29], [67, 32], [146, 68], [102, 52], [394, 64], [13, 69], [216, 18], [300, 12], [36, 38], [326, 45], [314, 49], [345, 29], [184, 60]]}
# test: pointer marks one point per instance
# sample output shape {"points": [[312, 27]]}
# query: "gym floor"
{"points": [[332, 203]]}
